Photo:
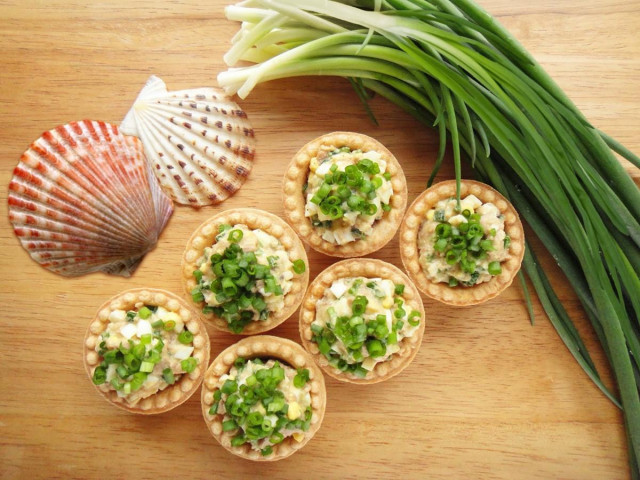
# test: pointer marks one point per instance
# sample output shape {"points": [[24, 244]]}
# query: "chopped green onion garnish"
{"points": [[167, 375], [189, 364], [299, 266], [147, 367], [185, 337], [494, 268], [144, 313]]}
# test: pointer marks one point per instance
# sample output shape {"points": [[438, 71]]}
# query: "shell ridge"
{"points": [[58, 196], [155, 140], [214, 155], [82, 200], [230, 167], [25, 199]]}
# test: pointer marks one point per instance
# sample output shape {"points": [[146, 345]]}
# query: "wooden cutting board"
{"points": [[488, 395]]}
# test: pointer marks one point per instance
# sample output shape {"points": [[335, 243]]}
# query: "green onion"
{"points": [[414, 318], [189, 364], [494, 268], [301, 378], [229, 425], [147, 367], [169, 325], [449, 62], [322, 192], [168, 377], [238, 440], [185, 337], [144, 313], [376, 348], [146, 339], [235, 236], [299, 266], [99, 376]]}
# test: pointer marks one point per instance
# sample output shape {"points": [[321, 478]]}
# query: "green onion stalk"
{"points": [[451, 65]]}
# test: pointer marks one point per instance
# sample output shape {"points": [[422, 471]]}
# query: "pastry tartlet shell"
{"points": [[369, 268], [205, 236], [263, 346], [294, 198], [186, 385], [409, 252]]}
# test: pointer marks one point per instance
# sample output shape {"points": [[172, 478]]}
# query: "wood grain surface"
{"points": [[488, 395]]}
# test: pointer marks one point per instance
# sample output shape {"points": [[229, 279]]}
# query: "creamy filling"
{"points": [[243, 276], [347, 192], [361, 322], [463, 246], [143, 351], [263, 403]]}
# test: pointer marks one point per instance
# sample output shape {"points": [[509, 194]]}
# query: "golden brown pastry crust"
{"points": [[186, 385], [205, 236], [370, 268], [409, 252], [263, 346], [294, 199]]}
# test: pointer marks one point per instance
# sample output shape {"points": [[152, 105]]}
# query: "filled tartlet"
{"points": [[462, 253], [345, 194], [246, 270], [146, 351], [263, 398], [362, 320]]}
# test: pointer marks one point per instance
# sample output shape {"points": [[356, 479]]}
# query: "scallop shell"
{"points": [[200, 143], [83, 199]]}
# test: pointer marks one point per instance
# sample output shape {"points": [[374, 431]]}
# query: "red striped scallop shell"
{"points": [[82, 199]]}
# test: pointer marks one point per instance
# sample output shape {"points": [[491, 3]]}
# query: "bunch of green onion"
{"points": [[242, 405], [452, 66]]}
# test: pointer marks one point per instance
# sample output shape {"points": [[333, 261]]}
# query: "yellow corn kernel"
{"points": [[388, 302], [298, 436], [313, 164], [430, 214], [294, 411]]}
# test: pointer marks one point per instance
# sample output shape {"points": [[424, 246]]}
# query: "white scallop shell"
{"points": [[82, 199], [200, 143]]}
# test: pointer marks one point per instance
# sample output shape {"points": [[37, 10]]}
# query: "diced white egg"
{"points": [[128, 330], [328, 236], [457, 220], [338, 288], [182, 352], [343, 235], [388, 287], [342, 308], [168, 316], [323, 169], [470, 203], [144, 328], [117, 316], [368, 363]]}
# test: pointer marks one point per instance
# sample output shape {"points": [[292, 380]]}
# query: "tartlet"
{"points": [[507, 238], [356, 340], [288, 355], [270, 274], [175, 371], [327, 218]]}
